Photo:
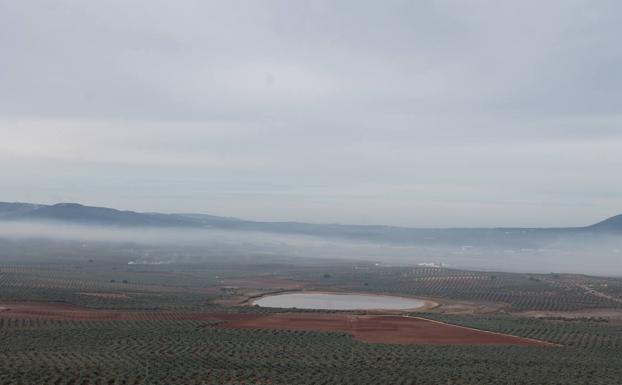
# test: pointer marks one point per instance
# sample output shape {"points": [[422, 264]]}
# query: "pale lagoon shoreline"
{"points": [[331, 301]]}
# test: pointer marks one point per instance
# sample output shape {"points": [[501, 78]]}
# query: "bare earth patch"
{"points": [[389, 329], [613, 315], [383, 329]]}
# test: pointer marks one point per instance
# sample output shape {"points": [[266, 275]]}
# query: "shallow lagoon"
{"points": [[334, 301]]}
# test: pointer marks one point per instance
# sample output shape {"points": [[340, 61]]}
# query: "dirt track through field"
{"points": [[389, 329]]}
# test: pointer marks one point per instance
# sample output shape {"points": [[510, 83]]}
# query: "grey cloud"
{"points": [[407, 112]]}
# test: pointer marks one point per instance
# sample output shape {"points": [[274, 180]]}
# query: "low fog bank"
{"points": [[596, 254]]}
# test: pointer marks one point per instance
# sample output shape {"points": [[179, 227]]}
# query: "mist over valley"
{"points": [[593, 249]]}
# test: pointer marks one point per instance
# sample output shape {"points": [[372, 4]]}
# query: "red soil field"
{"points": [[383, 329], [373, 329]]}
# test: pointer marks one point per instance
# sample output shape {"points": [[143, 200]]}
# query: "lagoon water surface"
{"points": [[329, 301]]}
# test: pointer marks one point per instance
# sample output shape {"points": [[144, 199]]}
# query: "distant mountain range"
{"points": [[73, 213]]}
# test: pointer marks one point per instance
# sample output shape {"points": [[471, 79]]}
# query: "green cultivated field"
{"points": [[71, 352], [188, 352]]}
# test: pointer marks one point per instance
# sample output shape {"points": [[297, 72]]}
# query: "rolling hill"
{"points": [[74, 213]]}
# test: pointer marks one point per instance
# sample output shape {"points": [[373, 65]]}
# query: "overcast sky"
{"points": [[417, 113]]}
